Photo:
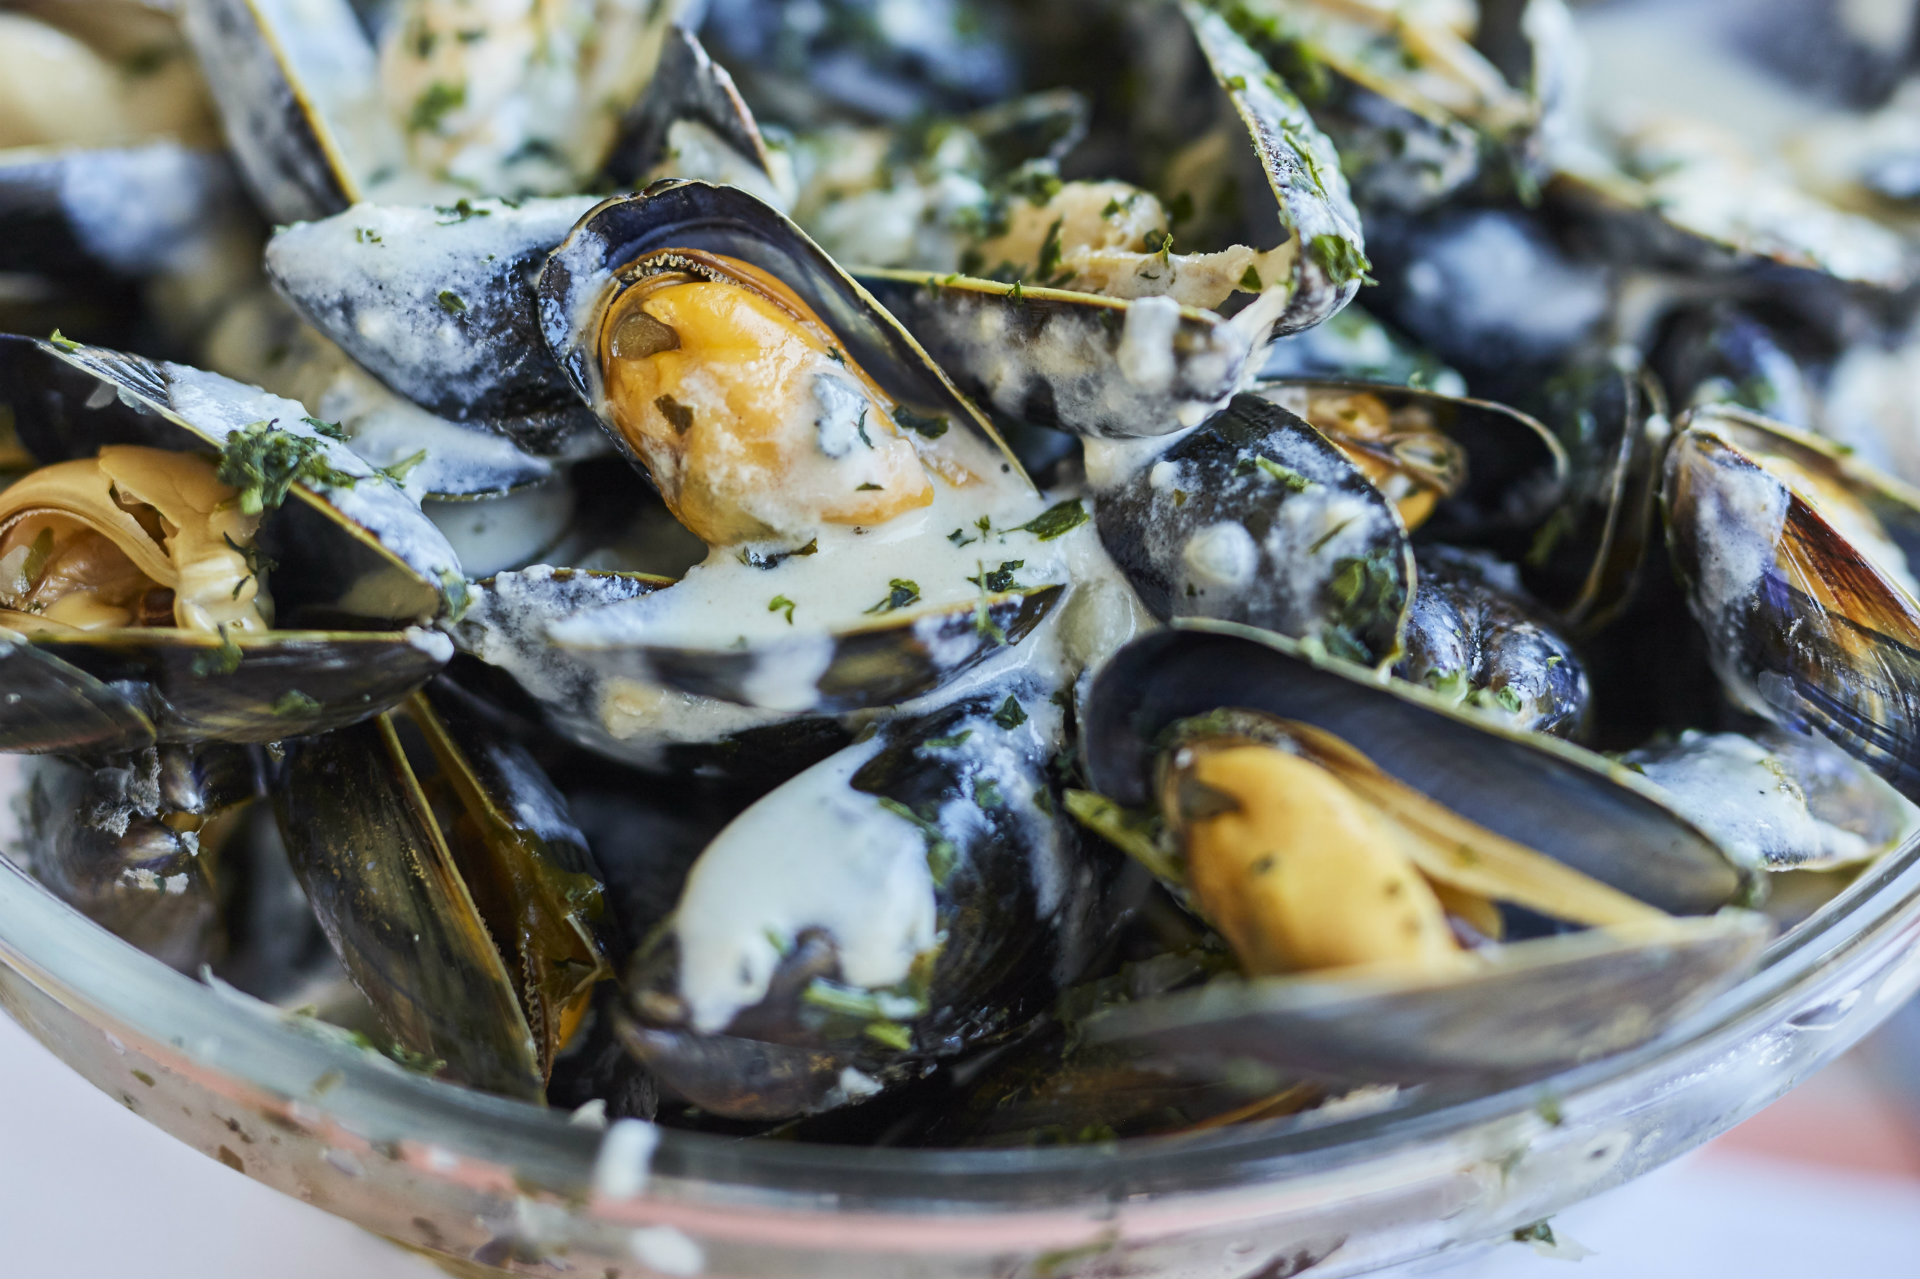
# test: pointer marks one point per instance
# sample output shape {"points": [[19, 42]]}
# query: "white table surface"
{"points": [[88, 1189]]}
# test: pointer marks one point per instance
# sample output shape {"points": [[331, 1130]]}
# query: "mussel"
{"points": [[909, 899], [1795, 562], [1096, 325], [454, 887], [137, 565], [1343, 837]]}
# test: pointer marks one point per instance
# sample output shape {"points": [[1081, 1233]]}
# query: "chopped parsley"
{"points": [[224, 660], [1000, 579], [780, 602], [941, 851], [452, 303], [947, 743], [332, 430], [900, 593], [1011, 714], [923, 424], [294, 702], [434, 104], [262, 462], [453, 589], [64, 342], [1057, 520], [398, 472], [459, 211], [366, 235], [1340, 259], [1251, 281], [1285, 476]]}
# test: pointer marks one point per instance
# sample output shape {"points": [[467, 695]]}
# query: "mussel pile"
{"points": [[976, 573]]}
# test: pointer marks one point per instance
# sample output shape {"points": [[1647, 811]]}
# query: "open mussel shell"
{"points": [[580, 282], [1533, 1008], [909, 899], [1586, 556], [135, 843], [1569, 804], [356, 548], [453, 885], [437, 303], [1496, 473], [1661, 200], [692, 100], [297, 85], [1255, 517], [355, 557], [1796, 563], [1119, 368]]}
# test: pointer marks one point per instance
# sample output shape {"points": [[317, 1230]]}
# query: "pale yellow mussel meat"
{"points": [[752, 420], [1307, 857], [1398, 448], [132, 537]]}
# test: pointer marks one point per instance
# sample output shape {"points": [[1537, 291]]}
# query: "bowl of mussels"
{"points": [[1113, 636]]}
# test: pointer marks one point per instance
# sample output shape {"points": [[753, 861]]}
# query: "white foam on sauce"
{"points": [[1222, 554], [812, 854], [1749, 802]]}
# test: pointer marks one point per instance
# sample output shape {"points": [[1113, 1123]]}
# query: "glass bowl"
{"points": [[484, 1184]]}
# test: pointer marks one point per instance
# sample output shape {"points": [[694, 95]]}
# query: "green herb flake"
{"points": [[1251, 281], [62, 341], [434, 104], [262, 462], [224, 660], [398, 472], [780, 602], [900, 593], [1057, 520], [1285, 476], [942, 854], [460, 210], [293, 702], [947, 743], [1000, 579], [867, 488], [889, 1034], [1011, 714], [922, 424], [452, 303], [1340, 259], [986, 793], [1049, 260], [332, 430], [366, 235], [457, 594]]}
